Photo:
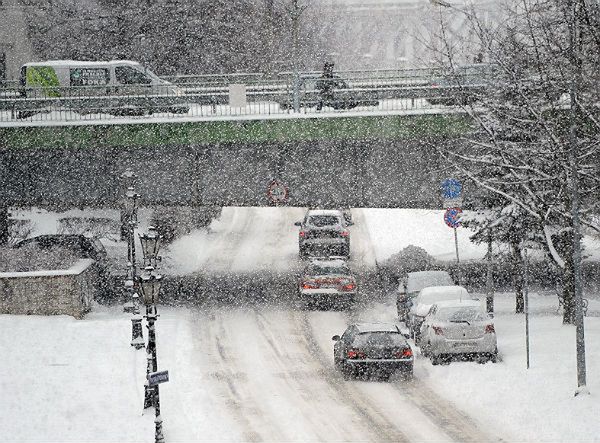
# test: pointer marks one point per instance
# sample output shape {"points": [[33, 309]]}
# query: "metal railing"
{"points": [[209, 96]]}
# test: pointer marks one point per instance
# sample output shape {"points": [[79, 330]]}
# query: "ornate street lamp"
{"points": [[150, 242], [149, 284]]}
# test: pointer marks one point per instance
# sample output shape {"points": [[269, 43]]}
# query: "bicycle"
{"points": [[561, 304]]}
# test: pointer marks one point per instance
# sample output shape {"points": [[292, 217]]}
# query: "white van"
{"points": [[73, 78]]}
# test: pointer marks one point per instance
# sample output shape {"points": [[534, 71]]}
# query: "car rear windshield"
{"points": [[461, 314], [379, 339], [323, 220], [327, 270]]}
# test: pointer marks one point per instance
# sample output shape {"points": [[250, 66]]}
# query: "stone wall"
{"points": [[68, 292]]}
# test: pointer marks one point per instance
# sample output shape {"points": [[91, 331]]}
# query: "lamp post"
{"points": [[149, 283], [295, 12], [150, 242], [131, 198]]}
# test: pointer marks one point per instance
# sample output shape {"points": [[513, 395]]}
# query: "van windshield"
{"points": [[126, 75]]}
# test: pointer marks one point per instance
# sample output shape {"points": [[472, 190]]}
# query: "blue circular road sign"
{"points": [[451, 188], [452, 217]]}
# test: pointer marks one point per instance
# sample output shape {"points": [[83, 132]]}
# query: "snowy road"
{"points": [[268, 374], [266, 368], [256, 239]]}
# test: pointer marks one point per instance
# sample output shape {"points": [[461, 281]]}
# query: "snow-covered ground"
{"points": [[265, 372]]}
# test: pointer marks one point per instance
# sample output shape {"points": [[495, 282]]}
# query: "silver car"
{"points": [[427, 297], [458, 328]]}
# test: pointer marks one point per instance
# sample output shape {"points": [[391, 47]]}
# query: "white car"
{"points": [[428, 296], [458, 328], [410, 286]]}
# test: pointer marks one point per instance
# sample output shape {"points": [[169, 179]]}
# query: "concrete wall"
{"points": [[14, 40], [68, 292], [370, 173]]}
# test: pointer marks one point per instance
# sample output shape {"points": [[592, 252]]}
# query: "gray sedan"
{"points": [[458, 328]]}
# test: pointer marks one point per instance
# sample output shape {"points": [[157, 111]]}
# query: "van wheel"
{"points": [[436, 360]]}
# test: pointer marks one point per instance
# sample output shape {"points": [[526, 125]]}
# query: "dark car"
{"points": [[325, 232], [373, 349], [86, 247], [327, 282]]}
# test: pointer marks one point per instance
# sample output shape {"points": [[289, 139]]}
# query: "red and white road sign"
{"points": [[277, 192], [452, 217]]}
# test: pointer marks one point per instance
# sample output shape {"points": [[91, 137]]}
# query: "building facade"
{"points": [[15, 46]]}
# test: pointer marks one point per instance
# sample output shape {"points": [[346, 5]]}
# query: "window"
{"points": [[328, 270], [129, 76], [323, 220]]}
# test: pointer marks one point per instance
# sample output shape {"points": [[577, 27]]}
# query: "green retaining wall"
{"points": [[408, 127]]}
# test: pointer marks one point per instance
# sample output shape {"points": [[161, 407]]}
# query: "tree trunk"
{"points": [[4, 225], [568, 291], [517, 276]]}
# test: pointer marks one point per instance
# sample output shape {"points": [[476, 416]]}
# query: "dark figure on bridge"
{"points": [[325, 85]]}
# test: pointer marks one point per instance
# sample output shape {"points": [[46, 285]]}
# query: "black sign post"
{"points": [[155, 378]]}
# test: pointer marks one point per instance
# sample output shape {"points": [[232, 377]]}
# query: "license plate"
{"points": [[465, 344]]}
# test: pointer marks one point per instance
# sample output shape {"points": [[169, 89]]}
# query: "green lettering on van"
{"points": [[44, 77]]}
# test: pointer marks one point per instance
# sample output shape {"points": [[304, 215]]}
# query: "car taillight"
{"points": [[353, 353], [347, 285], [344, 233], [405, 353], [310, 284], [489, 329], [437, 330], [302, 234]]}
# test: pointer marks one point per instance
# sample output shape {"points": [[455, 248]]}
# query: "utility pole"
{"points": [[295, 12], [574, 182], [526, 297], [489, 283]]}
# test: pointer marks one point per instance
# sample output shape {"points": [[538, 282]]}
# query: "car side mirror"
{"points": [[298, 224], [336, 338]]}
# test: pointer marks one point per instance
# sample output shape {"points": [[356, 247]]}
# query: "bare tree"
{"points": [[520, 150]]}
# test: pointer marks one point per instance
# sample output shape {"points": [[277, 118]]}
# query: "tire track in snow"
{"points": [[224, 250], [318, 400], [383, 428], [452, 421], [241, 407]]}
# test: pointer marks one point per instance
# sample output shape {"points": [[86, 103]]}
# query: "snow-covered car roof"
{"points": [[81, 63], [377, 327], [422, 279], [458, 303], [331, 262], [435, 294], [324, 212]]}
